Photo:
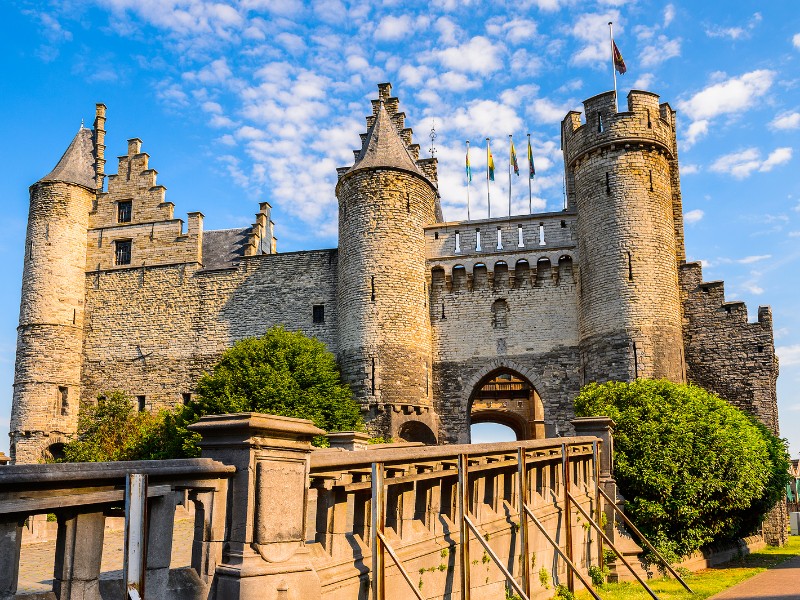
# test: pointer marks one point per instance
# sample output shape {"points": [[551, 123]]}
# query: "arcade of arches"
{"points": [[509, 399]]}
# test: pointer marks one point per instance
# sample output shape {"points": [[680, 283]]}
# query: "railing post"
{"points": [[10, 545], [567, 516], [133, 564], [522, 498], [378, 520], [264, 553], [160, 525], [463, 509], [79, 548]]}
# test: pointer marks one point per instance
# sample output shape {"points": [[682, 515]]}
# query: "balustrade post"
{"points": [[79, 549], [522, 500], [567, 515], [264, 556], [10, 544], [160, 526], [463, 510]]}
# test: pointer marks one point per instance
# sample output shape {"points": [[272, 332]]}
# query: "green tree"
{"points": [[280, 373], [110, 429], [693, 468]]}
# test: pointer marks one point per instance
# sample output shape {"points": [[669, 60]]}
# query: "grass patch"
{"points": [[705, 583]]}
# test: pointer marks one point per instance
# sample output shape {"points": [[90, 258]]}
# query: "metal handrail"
{"points": [[635, 530], [494, 557]]}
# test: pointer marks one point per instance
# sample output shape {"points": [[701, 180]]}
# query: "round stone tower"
{"points": [[622, 180], [50, 335], [384, 332]]}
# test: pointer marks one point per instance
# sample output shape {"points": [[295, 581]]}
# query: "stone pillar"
{"points": [[160, 525], [264, 555], [10, 544], [602, 427], [349, 440], [79, 549]]}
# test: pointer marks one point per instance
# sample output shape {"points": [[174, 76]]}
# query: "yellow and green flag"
{"points": [[490, 162], [531, 169], [514, 159], [469, 168]]}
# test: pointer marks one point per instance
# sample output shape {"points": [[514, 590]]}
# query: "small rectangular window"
{"points": [[186, 397], [124, 211], [478, 240], [122, 252], [458, 242], [140, 402], [318, 311]]}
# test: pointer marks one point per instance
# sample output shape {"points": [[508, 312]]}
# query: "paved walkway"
{"points": [[779, 583], [36, 560]]}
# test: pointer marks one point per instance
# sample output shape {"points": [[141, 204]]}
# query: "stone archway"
{"points": [[416, 431], [508, 397]]}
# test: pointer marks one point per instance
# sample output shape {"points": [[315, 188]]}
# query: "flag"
{"points": [[469, 169], [619, 62], [531, 169], [514, 159], [491, 163]]}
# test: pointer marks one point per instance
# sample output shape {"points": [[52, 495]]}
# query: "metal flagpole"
{"points": [[613, 66], [469, 178], [488, 193], [509, 173], [530, 191]]}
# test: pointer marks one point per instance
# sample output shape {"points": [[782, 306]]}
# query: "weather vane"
{"points": [[432, 135]]}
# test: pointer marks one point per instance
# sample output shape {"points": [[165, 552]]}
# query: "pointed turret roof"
{"points": [[77, 163], [383, 147]]}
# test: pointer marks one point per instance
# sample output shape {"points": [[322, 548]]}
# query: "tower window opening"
{"points": [[318, 313], [372, 376], [760, 348], [608, 183], [630, 267], [122, 252], [563, 224], [140, 402], [649, 122], [651, 180], [477, 240], [63, 396], [499, 238], [599, 123], [124, 211], [186, 397], [635, 361], [436, 235], [458, 242], [74, 315], [408, 203], [372, 286], [443, 315], [541, 234], [520, 238]]}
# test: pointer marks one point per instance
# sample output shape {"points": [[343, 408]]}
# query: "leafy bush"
{"points": [[693, 468]]}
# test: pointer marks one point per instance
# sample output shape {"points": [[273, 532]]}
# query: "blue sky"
{"points": [[241, 102]]}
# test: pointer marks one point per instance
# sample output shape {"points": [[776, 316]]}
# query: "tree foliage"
{"points": [[693, 468]]}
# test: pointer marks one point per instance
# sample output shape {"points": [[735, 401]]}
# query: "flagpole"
{"points": [[488, 193], [530, 190], [613, 67], [509, 173], [469, 178]]}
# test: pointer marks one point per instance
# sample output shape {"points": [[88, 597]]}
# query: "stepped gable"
{"points": [[77, 163]]}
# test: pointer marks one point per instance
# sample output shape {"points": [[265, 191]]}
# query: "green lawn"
{"points": [[704, 583]]}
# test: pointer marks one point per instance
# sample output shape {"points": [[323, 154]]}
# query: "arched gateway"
{"points": [[507, 397]]}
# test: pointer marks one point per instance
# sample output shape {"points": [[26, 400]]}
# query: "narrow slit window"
{"points": [[458, 242], [436, 235], [649, 122], [520, 238], [124, 211], [74, 315], [477, 240], [140, 403], [318, 313], [122, 252], [63, 396], [372, 288], [443, 315], [630, 267], [563, 224], [372, 377], [635, 361], [608, 183], [541, 234], [651, 180], [599, 123], [499, 238]]}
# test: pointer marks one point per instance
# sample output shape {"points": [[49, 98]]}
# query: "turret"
{"points": [[622, 180], [50, 335], [385, 200]]}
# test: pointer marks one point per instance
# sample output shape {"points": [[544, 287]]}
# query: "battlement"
{"points": [[647, 124]]}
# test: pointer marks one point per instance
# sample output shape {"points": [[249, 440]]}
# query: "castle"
{"points": [[435, 324]]}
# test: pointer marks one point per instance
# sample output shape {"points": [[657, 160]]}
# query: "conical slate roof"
{"points": [[384, 148], [77, 164]]}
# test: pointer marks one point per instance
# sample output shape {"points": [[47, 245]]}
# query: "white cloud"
{"points": [[796, 40], [786, 121], [669, 14], [644, 82], [547, 111], [689, 169], [479, 55], [393, 28], [662, 50], [748, 260], [515, 31], [693, 216], [735, 33], [788, 355], [592, 31], [695, 131], [742, 164]]}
